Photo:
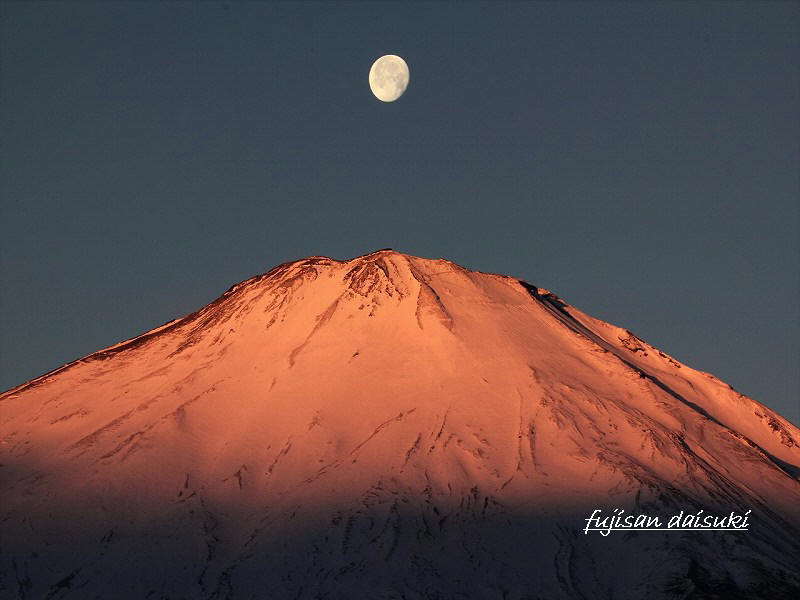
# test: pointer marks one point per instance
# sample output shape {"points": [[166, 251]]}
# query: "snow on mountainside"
{"points": [[388, 427]]}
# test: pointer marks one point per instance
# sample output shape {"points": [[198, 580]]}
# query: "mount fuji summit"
{"points": [[392, 427]]}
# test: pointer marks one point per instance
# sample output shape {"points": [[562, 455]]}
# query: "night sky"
{"points": [[639, 160]]}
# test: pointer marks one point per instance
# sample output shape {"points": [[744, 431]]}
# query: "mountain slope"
{"points": [[388, 427]]}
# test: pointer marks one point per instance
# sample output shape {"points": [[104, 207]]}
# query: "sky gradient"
{"points": [[639, 160]]}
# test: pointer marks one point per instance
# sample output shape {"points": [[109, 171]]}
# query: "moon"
{"points": [[388, 78]]}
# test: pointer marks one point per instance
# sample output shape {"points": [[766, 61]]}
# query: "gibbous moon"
{"points": [[388, 78]]}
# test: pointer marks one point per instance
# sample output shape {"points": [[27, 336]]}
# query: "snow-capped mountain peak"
{"points": [[388, 426]]}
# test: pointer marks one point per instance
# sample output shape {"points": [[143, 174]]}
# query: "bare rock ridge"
{"points": [[389, 427]]}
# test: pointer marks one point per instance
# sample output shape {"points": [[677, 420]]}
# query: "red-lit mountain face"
{"points": [[389, 427]]}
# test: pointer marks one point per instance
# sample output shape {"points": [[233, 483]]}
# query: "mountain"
{"points": [[390, 427]]}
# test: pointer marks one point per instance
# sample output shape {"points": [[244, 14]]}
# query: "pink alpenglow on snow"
{"points": [[390, 427]]}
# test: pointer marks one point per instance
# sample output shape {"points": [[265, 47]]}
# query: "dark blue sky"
{"points": [[640, 160]]}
